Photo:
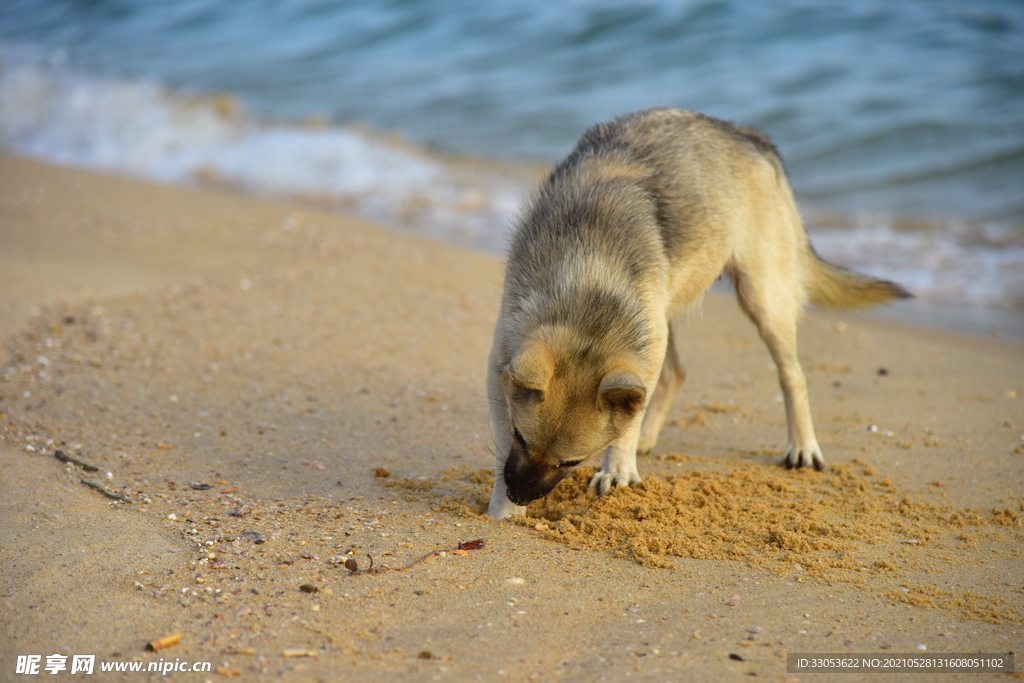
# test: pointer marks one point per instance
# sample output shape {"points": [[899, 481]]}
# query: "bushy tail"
{"points": [[835, 287]]}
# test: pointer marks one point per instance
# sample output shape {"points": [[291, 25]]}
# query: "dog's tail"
{"points": [[835, 287]]}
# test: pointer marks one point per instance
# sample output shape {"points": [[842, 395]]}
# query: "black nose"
{"points": [[527, 478]]}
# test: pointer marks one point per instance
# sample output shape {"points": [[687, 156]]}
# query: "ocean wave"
{"points": [[52, 111], [142, 129]]}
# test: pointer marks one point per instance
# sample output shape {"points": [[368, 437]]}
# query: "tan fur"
{"points": [[836, 287], [626, 234]]}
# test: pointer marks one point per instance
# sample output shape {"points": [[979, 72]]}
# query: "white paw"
{"points": [[502, 507], [804, 456], [605, 481]]}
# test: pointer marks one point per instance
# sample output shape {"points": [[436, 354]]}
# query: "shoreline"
{"points": [[1001, 325], [279, 391]]}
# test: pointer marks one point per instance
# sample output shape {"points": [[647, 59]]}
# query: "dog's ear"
{"points": [[529, 372], [623, 390]]}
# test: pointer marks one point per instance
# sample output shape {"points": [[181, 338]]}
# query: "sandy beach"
{"points": [[275, 395]]}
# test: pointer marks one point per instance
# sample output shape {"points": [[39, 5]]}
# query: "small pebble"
{"points": [[733, 601], [253, 536]]}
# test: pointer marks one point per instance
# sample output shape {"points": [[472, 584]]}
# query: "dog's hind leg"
{"points": [[672, 376], [772, 301]]}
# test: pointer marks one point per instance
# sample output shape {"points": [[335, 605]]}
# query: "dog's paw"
{"points": [[605, 481], [807, 456], [500, 509]]}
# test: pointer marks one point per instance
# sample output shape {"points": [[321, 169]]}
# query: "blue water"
{"points": [[887, 113]]}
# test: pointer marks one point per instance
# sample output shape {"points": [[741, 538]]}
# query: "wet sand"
{"points": [[279, 392]]}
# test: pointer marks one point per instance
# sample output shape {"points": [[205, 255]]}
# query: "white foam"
{"points": [[141, 129]]}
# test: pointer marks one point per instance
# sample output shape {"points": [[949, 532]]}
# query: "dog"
{"points": [[627, 233]]}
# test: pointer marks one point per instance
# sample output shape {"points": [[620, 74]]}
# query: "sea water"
{"points": [[901, 123]]}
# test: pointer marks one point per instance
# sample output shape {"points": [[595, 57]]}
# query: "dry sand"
{"points": [[279, 392]]}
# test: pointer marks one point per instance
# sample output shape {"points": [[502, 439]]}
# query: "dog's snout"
{"points": [[528, 478]]}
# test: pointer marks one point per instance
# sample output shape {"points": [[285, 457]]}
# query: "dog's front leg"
{"points": [[671, 378], [619, 465], [500, 506]]}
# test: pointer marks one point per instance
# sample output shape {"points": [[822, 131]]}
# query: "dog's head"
{"points": [[564, 406]]}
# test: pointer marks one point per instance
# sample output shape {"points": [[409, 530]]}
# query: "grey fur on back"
{"points": [[638, 217]]}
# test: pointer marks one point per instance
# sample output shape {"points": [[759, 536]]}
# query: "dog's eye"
{"points": [[569, 463], [526, 394]]}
